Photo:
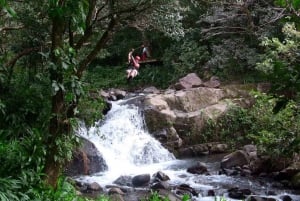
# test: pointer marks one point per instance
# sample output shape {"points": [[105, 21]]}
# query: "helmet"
{"points": [[138, 58]]}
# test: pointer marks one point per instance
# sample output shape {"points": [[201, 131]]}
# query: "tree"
{"points": [[64, 37]]}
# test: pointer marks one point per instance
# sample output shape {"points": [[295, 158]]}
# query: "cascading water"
{"points": [[130, 150], [125, 144]]}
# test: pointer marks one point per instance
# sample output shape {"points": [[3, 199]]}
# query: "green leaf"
{"points": [[65, 65], [280, 3], [296, 4], [10, 11]]}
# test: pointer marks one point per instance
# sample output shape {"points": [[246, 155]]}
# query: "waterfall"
{"points": [[128, 149], [123, 140]]}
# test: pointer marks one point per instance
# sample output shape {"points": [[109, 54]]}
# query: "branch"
{"points": [[225, 33], [89, 22], [101, 42], [278, 17], [27, 51], [11, 28], [224, 27]]}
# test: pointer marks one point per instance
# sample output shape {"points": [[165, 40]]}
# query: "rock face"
{"points": [[177, 116], [86, 160], [189, 81], [237, 158]]}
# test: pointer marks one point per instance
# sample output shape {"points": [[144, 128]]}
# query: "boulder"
{"points": [[237, 158], [295, 181], [202, 149], [86, 160], [213, 82], [199, 168], [141, 180], [160, 176], [178, 117], [189, 81]]}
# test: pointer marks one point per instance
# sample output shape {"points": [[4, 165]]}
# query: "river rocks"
{"points": [[115, 190], [202, 149], [161, 185], [89, 188], [160, 176], [290, 171], [141, 180], [199, 168], [292, 174], [123, 181], [86, 160], [295, 181], [185, 189], [260, 198], [239, 194], [168, 194], [237, 158]]}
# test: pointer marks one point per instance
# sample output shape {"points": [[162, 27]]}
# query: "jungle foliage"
{"points": [[55, 53]]}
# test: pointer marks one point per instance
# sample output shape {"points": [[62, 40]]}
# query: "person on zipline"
{"points": [[130, 54], [145, 52], [133, 67]]}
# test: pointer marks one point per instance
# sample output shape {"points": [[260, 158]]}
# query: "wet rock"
{"points": [[123, 181], [160, 185], [286, 198], [237, 158], [168, 194], [211, 193], [141, 180], [160, 176], [107, 107], [116, 197], [112, 97], [115, 190], [260, 198], [289, 172], [199, 168], [86, 160], [237, 193], [94, 187], [186, 189], [120, 94], [195, 150], [295, 181]]}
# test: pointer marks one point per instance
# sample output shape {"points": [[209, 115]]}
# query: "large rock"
{"points": [[86, 160], [237, 158], [178, 117], [141, 180], [189, 81], [290, 171], [213, 82], [186, 111], [202, 149]]}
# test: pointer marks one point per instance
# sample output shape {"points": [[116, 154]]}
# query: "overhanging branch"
{"points": [[100, 44], [27, 51]]}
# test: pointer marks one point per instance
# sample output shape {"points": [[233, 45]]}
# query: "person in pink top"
{"points": [[133, 69]]}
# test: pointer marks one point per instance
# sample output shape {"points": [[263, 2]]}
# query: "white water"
{"points": [[130, 150], [125, 144]]}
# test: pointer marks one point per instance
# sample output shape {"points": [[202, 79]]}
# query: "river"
{"points": [[130, 150]]}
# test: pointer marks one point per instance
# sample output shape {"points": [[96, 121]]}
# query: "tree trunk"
{"points": [[57, 126]]}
